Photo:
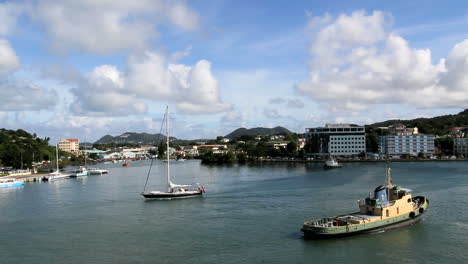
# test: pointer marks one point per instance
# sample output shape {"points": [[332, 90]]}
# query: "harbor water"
{"points": [[250, 214]]}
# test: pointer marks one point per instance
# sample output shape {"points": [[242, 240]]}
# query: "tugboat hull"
{"points": [[315, 232]]}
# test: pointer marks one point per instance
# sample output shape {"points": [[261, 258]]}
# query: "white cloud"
{"points": [[272, 113], [295, 103], [8, 15], [8, 59], [277, 100], [101, 27], [357, 61], [103, 92], [150, 77], [25, 96]]}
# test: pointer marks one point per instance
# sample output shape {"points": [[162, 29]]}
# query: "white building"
{"points": [[406, 144], [337, 140], [460, 146]]}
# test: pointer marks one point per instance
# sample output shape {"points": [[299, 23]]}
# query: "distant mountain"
{"points": [[257, 131], [438, 125], [132, 137]]}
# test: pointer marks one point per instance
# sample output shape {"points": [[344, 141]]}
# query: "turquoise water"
{"points": [[250, 214]]}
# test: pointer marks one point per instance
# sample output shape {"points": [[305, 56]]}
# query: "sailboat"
{"points": [[81, 171], [174, 191], [56, 175]]}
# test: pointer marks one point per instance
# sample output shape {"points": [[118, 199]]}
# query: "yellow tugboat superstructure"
{"points": [[390, 206]]}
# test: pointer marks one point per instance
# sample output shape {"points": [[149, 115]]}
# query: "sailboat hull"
{"points": [[167, 195]]}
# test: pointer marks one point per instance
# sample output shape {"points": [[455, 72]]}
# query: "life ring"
{"points": [[421, 210], [412, 214]]}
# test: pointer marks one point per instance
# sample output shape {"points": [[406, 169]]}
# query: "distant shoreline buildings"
{"points": [[350, 140]]}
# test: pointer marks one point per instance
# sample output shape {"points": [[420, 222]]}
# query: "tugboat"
{"points": [[331, 163], [389, 207]]}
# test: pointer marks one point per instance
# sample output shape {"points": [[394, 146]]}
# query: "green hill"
{"points": [[438, 125], [257, 131], [133, 138]]}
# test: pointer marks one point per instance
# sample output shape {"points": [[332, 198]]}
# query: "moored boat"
{"points": [[389, 207], [96, 171], [10, 182], [56, 175], [80, 172], [331, 163], [126, 165]]}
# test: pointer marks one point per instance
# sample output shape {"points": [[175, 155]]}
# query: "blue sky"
{"points": [[88, 68]]}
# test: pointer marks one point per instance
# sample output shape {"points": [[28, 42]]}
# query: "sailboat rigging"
{"points": [[57, 174], [173, 190]]}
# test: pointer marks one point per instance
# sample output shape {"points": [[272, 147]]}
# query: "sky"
{"points": [[84, 69]]}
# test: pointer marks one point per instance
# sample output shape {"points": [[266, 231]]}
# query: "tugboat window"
{"points": [[386, 212]]}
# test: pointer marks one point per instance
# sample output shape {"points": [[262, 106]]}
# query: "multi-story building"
{"points": [[69, 145], [402, 130], [460, 146], [406, 144], [336, 140]]}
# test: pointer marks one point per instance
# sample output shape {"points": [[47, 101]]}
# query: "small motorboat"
{"points": [[126, 165], [331, 163], [10, 182]]}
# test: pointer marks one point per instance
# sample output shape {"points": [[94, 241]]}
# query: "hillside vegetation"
{"points": [[257, 131], [18, 147]]}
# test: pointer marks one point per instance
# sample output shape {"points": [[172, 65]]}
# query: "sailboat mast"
{"points": [[167, 147], [56, 154]]}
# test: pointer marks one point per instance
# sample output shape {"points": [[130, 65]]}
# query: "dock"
{"points": [[29, 177]]}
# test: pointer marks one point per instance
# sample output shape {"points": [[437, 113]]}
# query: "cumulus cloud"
{"points": [[149, 77], [25, 96], [277, 100], [101, 27], [295, 103], [8, 15], [357, 61], [16, 94], [103, 93], [290, 102], [8, 59], [272, 113]]}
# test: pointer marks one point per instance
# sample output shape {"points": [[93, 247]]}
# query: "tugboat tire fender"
{"points": [[412, 214], [421, 210]]}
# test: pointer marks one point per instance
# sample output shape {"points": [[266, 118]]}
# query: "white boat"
{"points": [[96, 171], [56, 175], [10, 182], [81, 171], [332, 163], [174, 191]]}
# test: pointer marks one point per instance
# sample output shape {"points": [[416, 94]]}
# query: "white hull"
{"points": [[97, 172], [60, 176]]}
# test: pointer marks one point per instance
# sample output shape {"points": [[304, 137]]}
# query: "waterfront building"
{"points": [[460, 146], [405, 141], [336, 140], [69, 145], [402, 130], [406, 144]]}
